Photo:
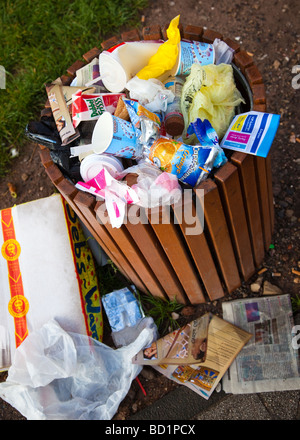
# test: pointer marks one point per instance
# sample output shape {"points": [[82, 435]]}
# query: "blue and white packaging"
{"points": [[252, 132], [122, 309]]}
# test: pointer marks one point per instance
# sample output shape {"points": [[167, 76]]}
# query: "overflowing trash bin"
{"points": [[160, 143]]}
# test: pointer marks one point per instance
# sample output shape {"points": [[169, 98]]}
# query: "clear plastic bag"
{"points": [[66, 376]]}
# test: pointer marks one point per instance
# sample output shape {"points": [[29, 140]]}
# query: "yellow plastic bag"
{"points": [[210, 93], [166, 56]]}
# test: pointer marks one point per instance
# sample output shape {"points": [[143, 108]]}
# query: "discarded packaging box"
{"points": [[46, 271]]}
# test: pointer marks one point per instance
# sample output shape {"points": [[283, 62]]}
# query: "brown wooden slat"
{"points": [[146, 240], [192, 32], [233, 44], [110, 42], [245, 164], [131, 35], [69, 192], [198, 246], [76, 66], [132, 252], [152, 32], [216, 226], [91, 54], [231, 194], [54, 173], [45, 157], [243, 60], [86, 204], [209, 36], [263, 197], [179, 258]]}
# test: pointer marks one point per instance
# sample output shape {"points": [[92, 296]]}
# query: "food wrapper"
{"points": [[61, 114], [88, 107], [146, 123], [116, 195], [189, 163], [207, 136]]}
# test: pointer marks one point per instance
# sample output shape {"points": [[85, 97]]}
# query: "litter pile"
{"points": [[159, 109], [165, 111]]}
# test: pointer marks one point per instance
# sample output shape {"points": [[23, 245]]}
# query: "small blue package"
{"points": [[122, 309]]}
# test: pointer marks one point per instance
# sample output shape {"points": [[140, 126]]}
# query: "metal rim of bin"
{"points": [[239, 212]]}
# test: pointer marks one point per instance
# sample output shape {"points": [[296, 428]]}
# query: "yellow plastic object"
{"points": [[166, 56], [210, 93]]}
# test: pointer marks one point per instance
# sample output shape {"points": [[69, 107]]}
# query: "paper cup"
{"points": [[114, 136], [193, 52], [111, 135], [91, 166]]}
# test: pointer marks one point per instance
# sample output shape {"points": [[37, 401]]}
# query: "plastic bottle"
{"points": [[174, 121]]}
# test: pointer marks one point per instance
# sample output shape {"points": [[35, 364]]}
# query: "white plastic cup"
{"points": [[92, 164], [122, 62]]}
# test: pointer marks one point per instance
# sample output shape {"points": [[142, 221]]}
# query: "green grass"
{"points": [[161, 311], [110, 279], [39, 41], [295, 303]]}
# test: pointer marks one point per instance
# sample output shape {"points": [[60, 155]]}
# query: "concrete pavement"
{"points": [[182, 404]]}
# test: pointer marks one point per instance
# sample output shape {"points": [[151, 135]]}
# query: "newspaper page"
{"points": [[224, 342], [268, 362]]}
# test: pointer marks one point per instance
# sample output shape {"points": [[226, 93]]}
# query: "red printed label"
{"points": [[18, 305]]}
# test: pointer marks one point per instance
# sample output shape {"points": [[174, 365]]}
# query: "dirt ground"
{"points": [[270, 31]]}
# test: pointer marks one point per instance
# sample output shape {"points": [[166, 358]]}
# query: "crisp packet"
{"points": [[90, 107], [190, 163], [147, 124], [61, 115], [207, 137]]}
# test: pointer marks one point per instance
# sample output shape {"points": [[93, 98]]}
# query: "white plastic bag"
{"points": [[66, 376], [154, 188], [223, 52], [150, 93]]}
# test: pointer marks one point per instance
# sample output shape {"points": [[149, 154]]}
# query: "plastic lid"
{"points": [[91, 166], [102, 133], [113, 75]]}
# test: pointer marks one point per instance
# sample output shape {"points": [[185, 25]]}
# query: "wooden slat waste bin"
{"points": [[163, 259]]}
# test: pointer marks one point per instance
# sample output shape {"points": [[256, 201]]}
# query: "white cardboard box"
{"points": [[46, 271]]}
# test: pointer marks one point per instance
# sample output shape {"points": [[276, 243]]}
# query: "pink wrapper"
{"points": [[89, 107], [116, 195]]}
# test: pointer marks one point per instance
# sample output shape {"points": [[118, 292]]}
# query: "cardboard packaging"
{"points": [[46, 271]]}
